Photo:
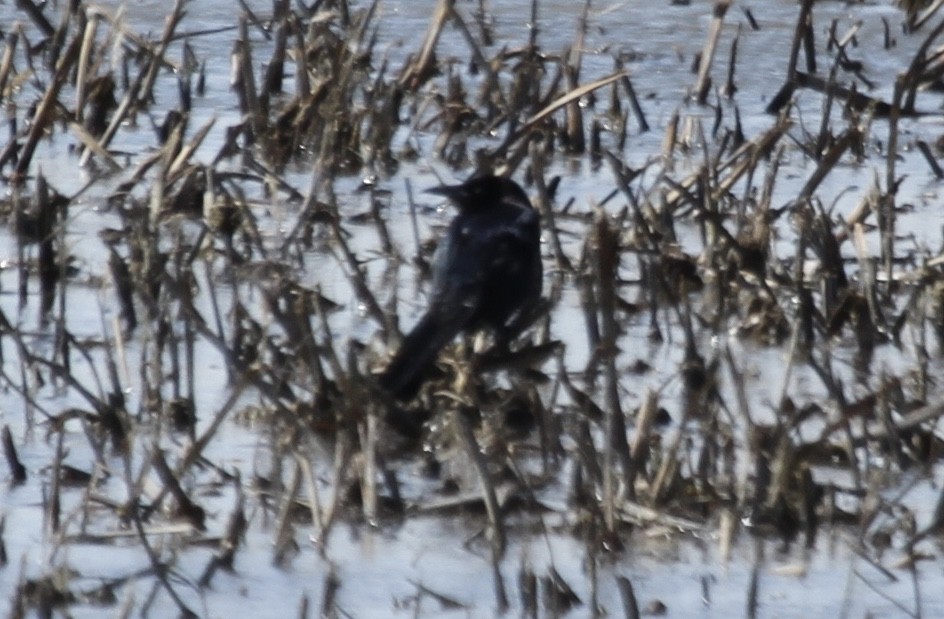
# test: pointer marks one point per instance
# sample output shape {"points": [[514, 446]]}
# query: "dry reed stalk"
{"points": [[173, 20], [639, 450], [332, 584], [17, 470], [930, 158], [4, 558], [886, 206], [572, 137], [420, 69], [369, 469], [343, 456], [82, 75], [911, 80], [6, 62], [356, 275], [803, 26], [36, 15], [783, 96], [158, 567], [125, 107], [605, 269], [311, 487], [186, 507], [730, 88], [539, 164], [44, 115], [230, 541], [501, 595], [528, 583], [703, 82], [572, 95], [634, 104], [830, 158], [91, 143], [754, 585], [744, 159], [284, 544], [628, 596], [243, 81], [467, 439]]}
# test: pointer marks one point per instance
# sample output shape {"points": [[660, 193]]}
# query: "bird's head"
{"points": [[483, 191]]}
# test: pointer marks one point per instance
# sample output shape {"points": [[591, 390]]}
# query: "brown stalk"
{"points": [[639, 450], [82, 77], [17, 470], [45, 111], [230, 542], [92, 144], [6, 62], [911, 80], [830, 158], [36, 14], [628, 596], [930, 158], [606, 267], [245, 85], [627, 85], [479, 461], [783, 96], [744, 159], [285, 544], [417, 72], [729, 87], [185, 506], [703, 83], [545, 207], [170, 25], [369, 468]]}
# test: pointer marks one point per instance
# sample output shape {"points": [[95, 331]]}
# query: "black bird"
{"points": [[486, 274]]}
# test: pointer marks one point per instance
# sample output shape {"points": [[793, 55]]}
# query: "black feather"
{"points": [[487, 274]]}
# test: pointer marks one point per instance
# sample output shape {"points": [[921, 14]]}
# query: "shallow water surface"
{"points": [[394, 566]]}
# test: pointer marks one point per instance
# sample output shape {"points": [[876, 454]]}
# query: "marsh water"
{"points": [[432, 562]]}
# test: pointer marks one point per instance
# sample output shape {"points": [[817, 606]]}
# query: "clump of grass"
{"points": [[195, 262]]}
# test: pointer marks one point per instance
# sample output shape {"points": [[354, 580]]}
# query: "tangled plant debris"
{"points": [[215, 251]]}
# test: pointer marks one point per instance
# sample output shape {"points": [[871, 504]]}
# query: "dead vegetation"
{"points": [[212, 247]]}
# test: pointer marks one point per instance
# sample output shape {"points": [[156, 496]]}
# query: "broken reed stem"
{"points": [[824, 135], [311, 486], [703, 83], [419, 71], [912, 79], [37, 16], [804, 23], [6, 62], [606, 266], [245, 84], [628, 596], [17, 470], [545, 208], [285, 530], [157, 58], [368, 432], [44, 111], [830, 158], [633, 99], [474, 453], [886, 210], [729, 87]]}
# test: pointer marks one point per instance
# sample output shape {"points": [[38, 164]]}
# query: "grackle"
{"points": [[486, 275]]}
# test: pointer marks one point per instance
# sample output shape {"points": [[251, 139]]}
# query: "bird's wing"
{"points": [[481, 252]]}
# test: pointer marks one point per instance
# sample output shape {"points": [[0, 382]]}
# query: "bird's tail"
{"points": [[410, 366]]}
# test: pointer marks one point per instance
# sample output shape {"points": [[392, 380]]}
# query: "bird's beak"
{"points": [[449, 191]]}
